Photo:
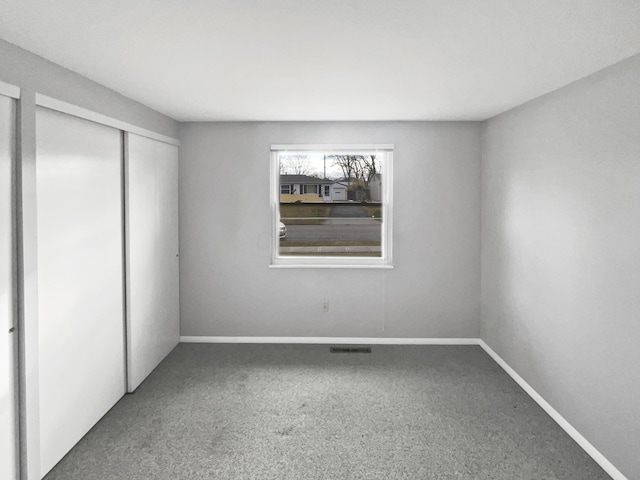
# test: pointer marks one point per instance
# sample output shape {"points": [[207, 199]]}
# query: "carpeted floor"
{"points": [[300, 412]]}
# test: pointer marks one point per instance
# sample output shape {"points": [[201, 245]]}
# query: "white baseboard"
{"points": [[333, 340], [592, 451]]}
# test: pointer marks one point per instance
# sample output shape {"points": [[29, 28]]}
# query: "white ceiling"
{"points": [[200, 60]]}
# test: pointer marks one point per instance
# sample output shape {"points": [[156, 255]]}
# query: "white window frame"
{"points": [[292, 261]]}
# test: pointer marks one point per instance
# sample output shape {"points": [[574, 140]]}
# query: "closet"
{"points": [[80, 278], [107, 270], [151, 171]]}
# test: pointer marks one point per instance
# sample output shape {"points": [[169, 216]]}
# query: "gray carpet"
{"points": [[300, 412]]}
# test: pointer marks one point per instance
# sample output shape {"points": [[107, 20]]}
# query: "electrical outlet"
{"points": [[325, 305]]}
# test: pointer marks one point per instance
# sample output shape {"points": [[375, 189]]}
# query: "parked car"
{"points": [[283, 230]]}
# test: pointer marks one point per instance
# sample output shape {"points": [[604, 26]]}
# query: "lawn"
{"points": [[373, 210], [304, 210], [289, 211]]}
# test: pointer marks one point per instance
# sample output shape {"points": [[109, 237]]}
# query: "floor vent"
{"points": [[350, 350]]}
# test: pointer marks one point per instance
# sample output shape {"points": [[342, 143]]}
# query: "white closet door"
{"points": [[8, 437], [152, 254], [80, 278]]}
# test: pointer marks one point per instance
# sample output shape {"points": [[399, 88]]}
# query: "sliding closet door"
{"points": [[152, 254], [8, 430], [80, 278]]}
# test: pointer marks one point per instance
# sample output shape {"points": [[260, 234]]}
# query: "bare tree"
{"points": [[295, 165], [370, 169], [347, 163], [358, 170]]}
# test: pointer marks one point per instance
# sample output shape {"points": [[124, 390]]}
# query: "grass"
{"points": [[372, 210], [293, 213], [288, 210], [302, 221]]}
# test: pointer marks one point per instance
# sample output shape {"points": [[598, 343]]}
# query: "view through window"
{"points": [[333, 203]]}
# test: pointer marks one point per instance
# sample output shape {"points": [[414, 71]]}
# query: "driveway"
{"points": [[349, 215], [347, 211]]}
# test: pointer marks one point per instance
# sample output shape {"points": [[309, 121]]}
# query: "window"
{"points": [[313, 189], [335, 202]]}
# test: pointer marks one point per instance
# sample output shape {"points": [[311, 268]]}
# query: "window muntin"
{"points": [[338, 209]]}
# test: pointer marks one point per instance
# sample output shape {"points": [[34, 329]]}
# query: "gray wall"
{"points": [[561, 253], [34, 74], [226, 287]]}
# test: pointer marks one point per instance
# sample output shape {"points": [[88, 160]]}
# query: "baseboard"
{"points": [[592, 451], [333, 340]]}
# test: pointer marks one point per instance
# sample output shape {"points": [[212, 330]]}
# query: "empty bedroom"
{"points": [[315, 239]]}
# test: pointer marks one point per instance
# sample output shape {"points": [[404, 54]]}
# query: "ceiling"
{"points": [[197, 60]]}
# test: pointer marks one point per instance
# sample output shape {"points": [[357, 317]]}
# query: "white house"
{"points": [[308, 189]]}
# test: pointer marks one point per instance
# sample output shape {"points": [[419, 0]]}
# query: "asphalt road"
{"points": [[330, 231]]}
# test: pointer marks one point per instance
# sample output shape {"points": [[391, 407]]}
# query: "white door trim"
{"points": [[70, 109]]}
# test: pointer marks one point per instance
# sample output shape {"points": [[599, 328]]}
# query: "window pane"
{"points": [[334, 206]]}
